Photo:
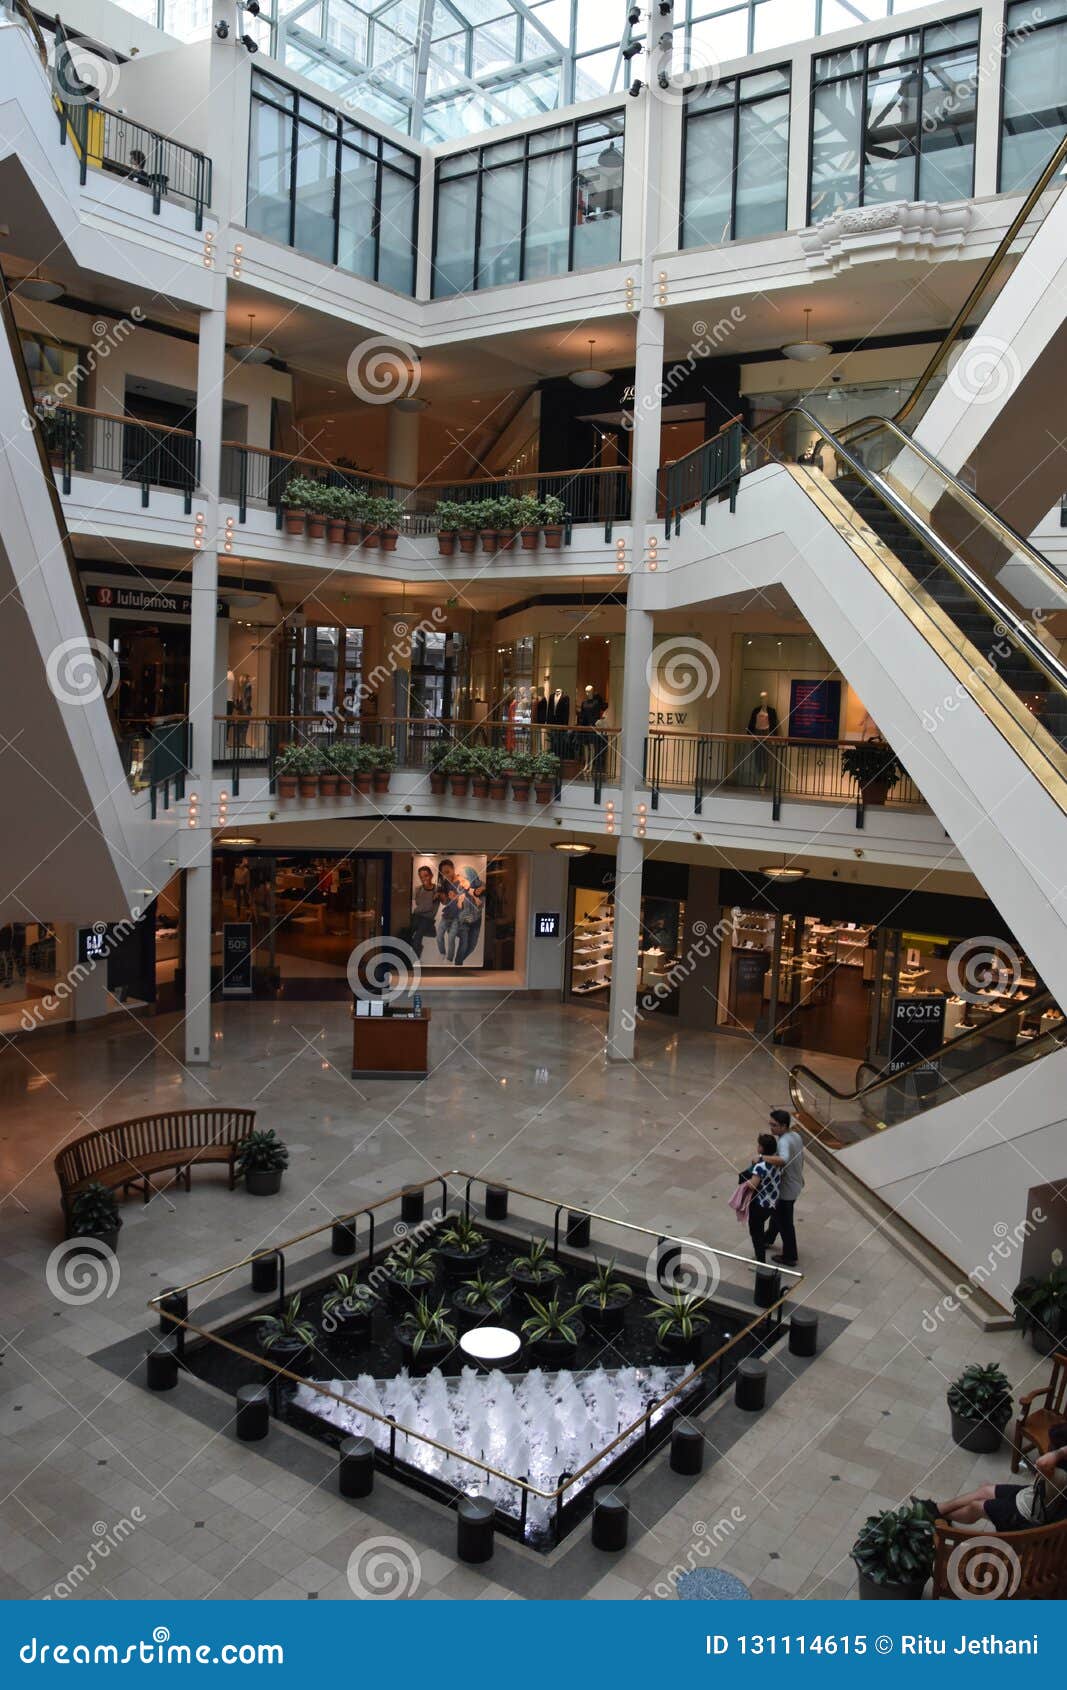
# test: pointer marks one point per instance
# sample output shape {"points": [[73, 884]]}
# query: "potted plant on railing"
{"points": [[894, 1553], [553, 1333], [438, 773], [484, 515], [317, 505], [449, 518], [457, 765], [522, 773], [287, 770], [297, 499], [329, 774], [94, 1215], [1041, 1309], [412, 1274], [552, 513], [62, 435], [341, 757], [528, 521], [426, 1335], [536, 1268], [285, 1336], [980, 1403], [498, 763], [680, 1324], [481, 1299], [305, 762], [467, 532], [262, 1159], [481, 770], [873, 765], [382, 766], [364, 762], [335, 510], [389, 513], [545, 774], [604, 1299], [459, 1246], [372, 522], [348, 1307], [508, 523], [355, 513]]}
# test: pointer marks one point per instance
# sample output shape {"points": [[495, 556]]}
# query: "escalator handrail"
{"points": [[1038, 1000], [1053, 669], [1055, 164]]}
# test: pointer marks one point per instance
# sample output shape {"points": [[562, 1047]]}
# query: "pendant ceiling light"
{"points": [[610, 158], [807, 350], [782, 871], [590, 377], [34, 286], [239, 598], [255, 352], [571, 847]]}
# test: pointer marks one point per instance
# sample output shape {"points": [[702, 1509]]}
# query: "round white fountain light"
{"points": [[491, 1344]]}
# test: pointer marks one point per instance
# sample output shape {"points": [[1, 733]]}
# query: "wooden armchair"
{"points": [[1034, 1423]]}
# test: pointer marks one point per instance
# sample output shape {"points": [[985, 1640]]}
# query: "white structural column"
{"points": [[648, 390], [203, 702], [403, 450]]}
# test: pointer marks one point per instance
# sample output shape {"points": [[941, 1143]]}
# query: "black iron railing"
{"points": [[712, 471], [87, 442], [110, 141]]}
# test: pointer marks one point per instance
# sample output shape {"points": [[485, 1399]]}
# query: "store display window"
{"points": [[593, 943]]}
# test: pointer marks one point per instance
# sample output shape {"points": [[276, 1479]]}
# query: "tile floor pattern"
{"points": [[519, 1091]]}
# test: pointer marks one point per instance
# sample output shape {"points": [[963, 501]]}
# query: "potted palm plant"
{"points": [[262, 1159], [285, 1336], [894, 1553], [457, 765], [552, 1332], [94, 1216], [545, 774], [449, 518], [348, 1307], [528, 520], [680, 1324], [412, 1275], [522, 773], [552, 513], [426, 1335], [1041, 1309], [299, 491], [481, 1299], [873, 765], [536, 1268], [604, 1298], [980, 1402], [459, 1246]]}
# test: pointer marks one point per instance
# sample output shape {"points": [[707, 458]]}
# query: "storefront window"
{"points": [[27, 970], [735, 182], [1034, 119], [325, 673], [539, 205], [895, 119], [592, 949]]}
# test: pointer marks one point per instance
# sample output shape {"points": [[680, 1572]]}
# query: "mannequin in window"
{"points": [[590, 710], [558, 716], [762, 726]]}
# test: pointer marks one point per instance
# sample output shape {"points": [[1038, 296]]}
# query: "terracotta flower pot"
{"points": [[287, 786], [544, 791], [335, 530], [447, 542], [309, 785], [316, 527], [438, 784], [328, 785], [480, 786], [362, 782], [294, 520], [380, 779], [489, 539], [528, 538], [498, 786], [353, 533], [460, 785], [520, 790], [553, 539], [505, 539], [389, 537], [875, 791], [468, 539], [371, 535]]}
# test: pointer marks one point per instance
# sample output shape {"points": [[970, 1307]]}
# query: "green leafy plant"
{"points": [[301, 493], [482, 514], [603, 1288], [457, 760], [872, 762], [334, 503], [548, 1320], [262, 1153], [460, 1235], [286, 1328], [483, 1292], [982, 1393], [301, 759], [678, 1315], [408, 1268], [61, 431], [545, 766], [383, 756], [428, 1323], [1041, 1303], [450, 517], [341, 757], [522, 766], [537, 1264], [489, 761], [896, 1547], [385, 513], [347, 1296], [93, 1212], [528, 511], [552, 511]]}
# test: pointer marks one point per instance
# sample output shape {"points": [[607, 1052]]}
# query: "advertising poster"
{"points": [[918, 1032], [448, 909], [814, 709]]}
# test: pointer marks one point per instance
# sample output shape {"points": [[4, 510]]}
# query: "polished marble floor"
{"points": [[518, 1091]]}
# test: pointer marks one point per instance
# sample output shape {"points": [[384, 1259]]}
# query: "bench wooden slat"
{"points": [[124, 1154]]}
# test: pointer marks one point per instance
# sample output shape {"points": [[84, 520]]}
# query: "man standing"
{"points": [[790, 1158]]}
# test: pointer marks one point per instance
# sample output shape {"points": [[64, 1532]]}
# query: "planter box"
{"points": [[545, 791], [353, 533], [479, 786], [528, 538], [498, 787], [335, 530], [488, 539], [361, 781], [438, 784], [520, 790], [371, 536], [389, 538], [460, 785]]}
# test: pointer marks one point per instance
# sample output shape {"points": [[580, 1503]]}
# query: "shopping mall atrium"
{"points": [[534, 636]]}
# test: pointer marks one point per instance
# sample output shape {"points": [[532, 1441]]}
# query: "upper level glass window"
{"points": [[539, 205], [895, 119], [1034, 113], [736, 176], [719, 30], [331, 188]]}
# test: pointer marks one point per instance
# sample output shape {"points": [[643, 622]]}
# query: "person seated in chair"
{"points": [[1017, 1508]]}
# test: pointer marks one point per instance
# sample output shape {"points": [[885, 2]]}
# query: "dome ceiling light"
{"points": [[782, 871], [590, 377], [255, 352], [806, 351], [34, 286]]}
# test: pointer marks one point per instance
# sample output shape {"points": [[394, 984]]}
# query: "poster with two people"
{"points": [[448, 910]]}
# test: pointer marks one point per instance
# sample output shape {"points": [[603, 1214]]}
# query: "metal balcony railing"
{"points": [[98, 443]]}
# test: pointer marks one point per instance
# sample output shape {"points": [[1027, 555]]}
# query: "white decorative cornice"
{"points": [[917, 229]]}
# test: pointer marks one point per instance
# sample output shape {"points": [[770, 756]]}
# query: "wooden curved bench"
{"points": [[130, 1152], [1039, 1555]]}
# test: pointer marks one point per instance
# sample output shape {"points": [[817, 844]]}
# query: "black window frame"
{"points": [[785, 69], [479, 169], [342, 131], [919, 60], [1005, 54]]}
